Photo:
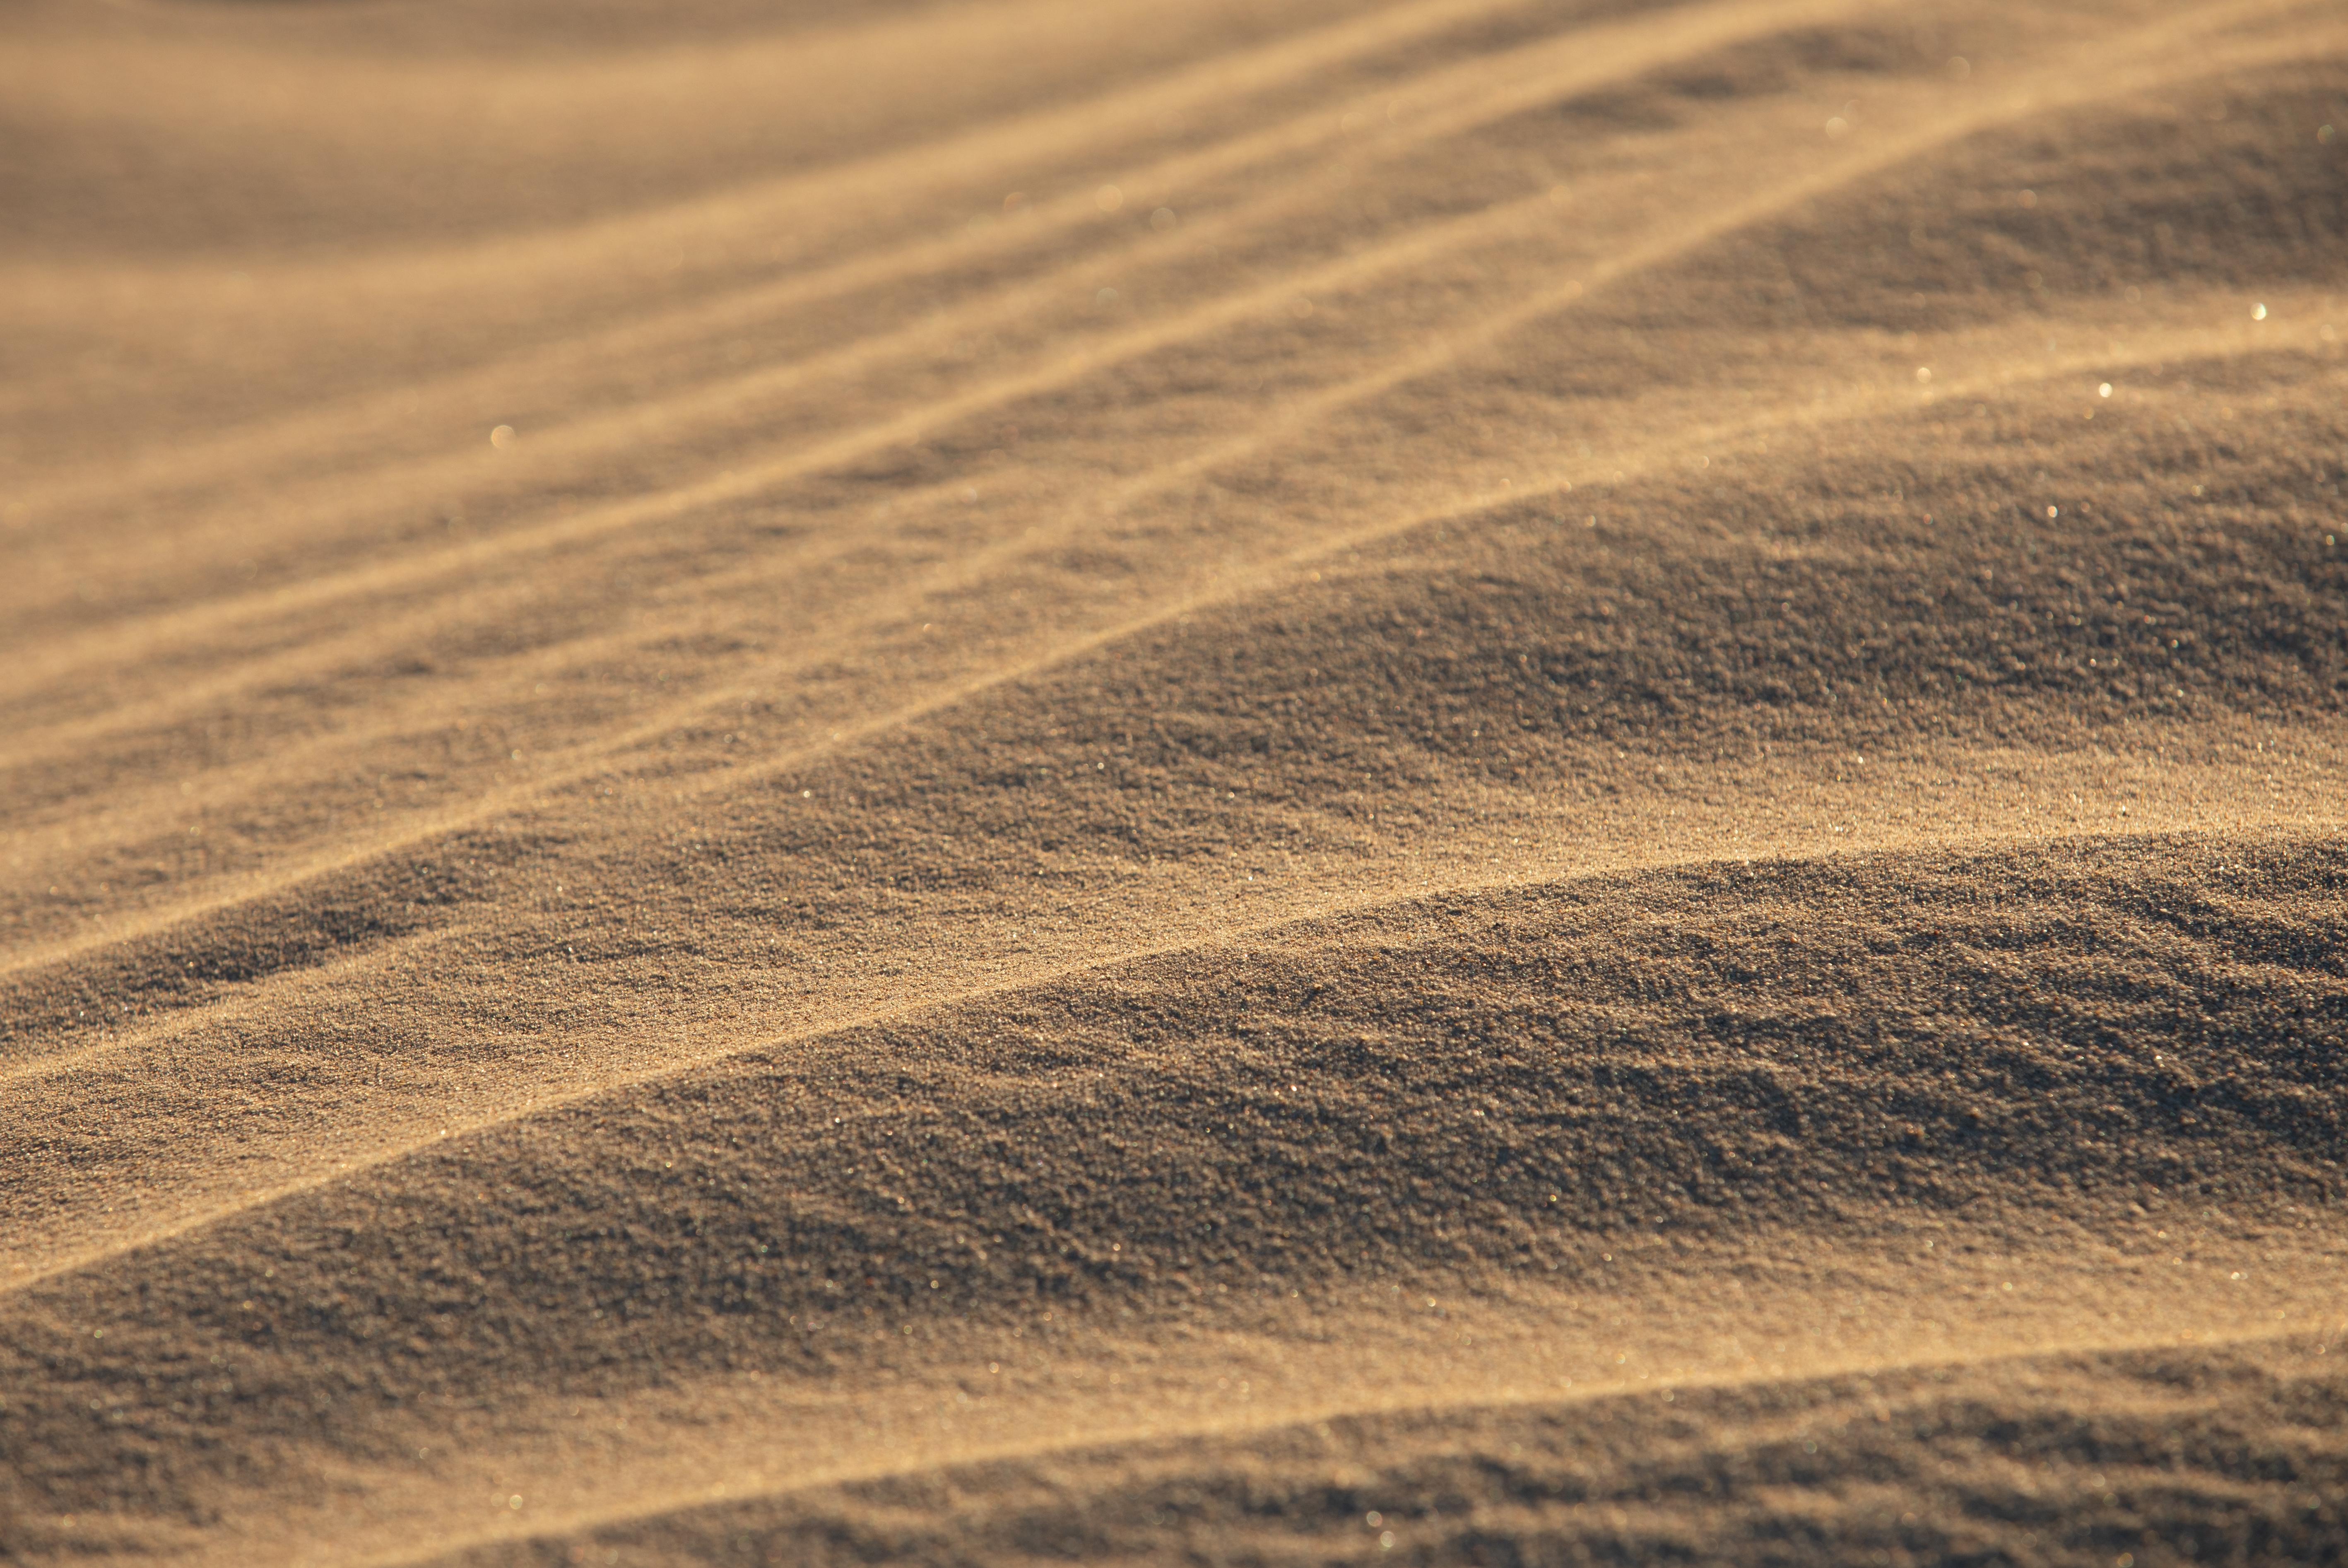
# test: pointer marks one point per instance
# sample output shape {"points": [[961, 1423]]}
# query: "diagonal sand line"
{"points": [[553, 661], [1413, 250], [228, 1008], [998, 150], [1853, 404], [453, 1130], [1717, 438], [1506, 221], [1576, 62], [434, 825]]}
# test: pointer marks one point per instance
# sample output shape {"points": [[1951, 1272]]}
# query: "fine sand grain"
{"points": [[1269, 781]]}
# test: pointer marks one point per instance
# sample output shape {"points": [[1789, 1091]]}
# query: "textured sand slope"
{"points": [[1397, 723], [1494, 1086], [1496, 782], [2074, 1457]]}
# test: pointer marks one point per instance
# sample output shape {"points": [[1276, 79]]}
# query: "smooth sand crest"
{"points": [[1468, 781]]}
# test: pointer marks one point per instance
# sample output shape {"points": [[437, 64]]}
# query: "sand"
{"points": [[1276, 782]]}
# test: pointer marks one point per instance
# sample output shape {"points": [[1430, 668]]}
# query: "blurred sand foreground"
{"points": [[1269, 781]]}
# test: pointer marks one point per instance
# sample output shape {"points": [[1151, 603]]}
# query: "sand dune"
{"points": [[1472, 780]]}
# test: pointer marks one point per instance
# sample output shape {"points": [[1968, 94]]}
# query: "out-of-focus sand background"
{"points": [[1264, 781]]}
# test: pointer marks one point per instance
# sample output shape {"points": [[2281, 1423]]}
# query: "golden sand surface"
{"points": [[1266, 782]]}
